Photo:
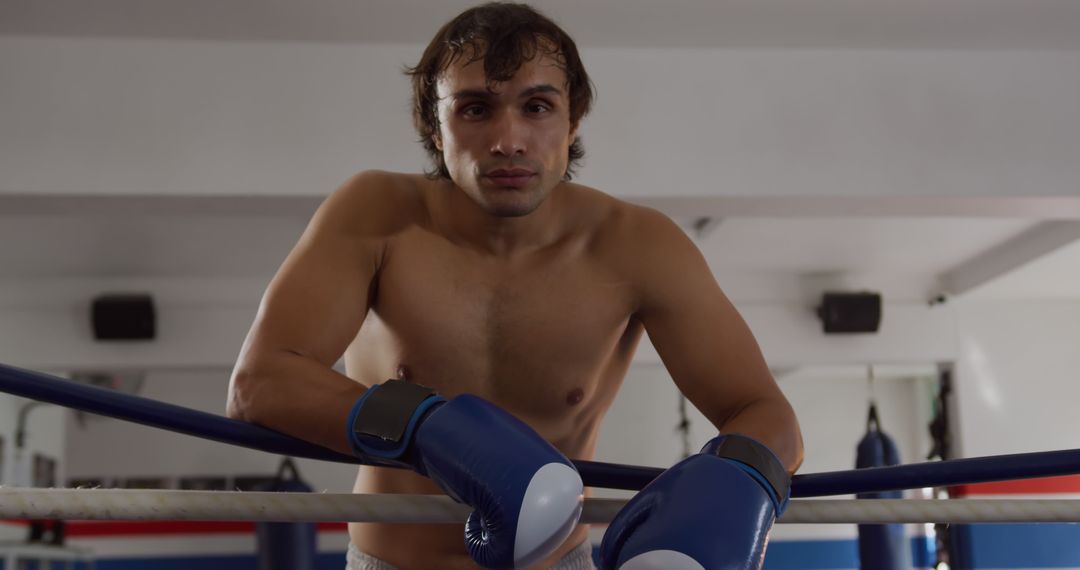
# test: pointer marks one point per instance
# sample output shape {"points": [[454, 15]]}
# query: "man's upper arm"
{"points": [[706, 346], [317, 301]]}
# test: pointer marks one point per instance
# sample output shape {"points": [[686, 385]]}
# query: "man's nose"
{"points": [[509, 135]]}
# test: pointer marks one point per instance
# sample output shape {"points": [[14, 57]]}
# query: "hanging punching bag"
{"points": [[286, 546], [881, 546]]}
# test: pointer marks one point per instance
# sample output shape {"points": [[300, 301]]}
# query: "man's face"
{"points": [[508, 147]]}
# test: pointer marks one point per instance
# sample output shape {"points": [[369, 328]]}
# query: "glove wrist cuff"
{"points": [[383, 420], [760, 460]]}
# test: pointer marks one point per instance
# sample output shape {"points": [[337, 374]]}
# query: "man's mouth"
{"points": [[510, 177]]}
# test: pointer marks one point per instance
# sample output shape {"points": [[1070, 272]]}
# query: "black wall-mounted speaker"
{"points": [[123, 317], [850, 312]]}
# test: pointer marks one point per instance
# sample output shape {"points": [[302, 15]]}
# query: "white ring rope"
{"points": [[131, 504]]}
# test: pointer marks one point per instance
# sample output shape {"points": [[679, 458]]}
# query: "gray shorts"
{"points": [[579, 558]]}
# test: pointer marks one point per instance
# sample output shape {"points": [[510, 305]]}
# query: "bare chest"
{"points": [[539, 336]]}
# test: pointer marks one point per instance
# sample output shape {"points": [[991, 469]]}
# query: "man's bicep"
{"points": [[317, 301], [704, 343]]}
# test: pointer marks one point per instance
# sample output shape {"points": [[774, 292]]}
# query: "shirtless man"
{"points": [[496, 276]]}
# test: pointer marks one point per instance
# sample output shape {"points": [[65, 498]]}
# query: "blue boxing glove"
{"points": [[526, 494], [711, 511]]}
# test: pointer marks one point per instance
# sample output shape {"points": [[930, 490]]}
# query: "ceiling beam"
{"points": [[1035, 207], [682, 207], [1004, 258]]}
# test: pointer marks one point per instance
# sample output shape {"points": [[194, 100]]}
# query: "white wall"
{"points": [[830, 401], [1018, 377], [107, 448], [199, 117], [61, 338], [44, 435]]}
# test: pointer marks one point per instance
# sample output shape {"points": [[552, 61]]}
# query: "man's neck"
{"points": [[501, 236]]}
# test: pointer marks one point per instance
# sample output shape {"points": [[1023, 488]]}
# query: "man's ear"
{"points": [[437, 139]]}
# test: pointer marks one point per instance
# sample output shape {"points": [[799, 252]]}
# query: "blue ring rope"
{"points": [[47, 388]]}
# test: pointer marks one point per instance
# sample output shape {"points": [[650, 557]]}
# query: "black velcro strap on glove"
{"points": [[382, 418], [750, 452]]}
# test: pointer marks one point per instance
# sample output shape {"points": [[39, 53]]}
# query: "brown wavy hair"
{"points": [[504, 35]]}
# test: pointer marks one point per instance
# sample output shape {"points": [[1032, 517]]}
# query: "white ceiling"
{"points": [[912, 24], [866, 245]]}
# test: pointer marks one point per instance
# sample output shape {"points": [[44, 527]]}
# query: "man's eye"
{"points": [[473, 111], [536, 107]]}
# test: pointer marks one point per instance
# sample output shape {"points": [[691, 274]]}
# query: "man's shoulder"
{"points": [[619, 220], [377, 187], [637, 242], [377, 202]]}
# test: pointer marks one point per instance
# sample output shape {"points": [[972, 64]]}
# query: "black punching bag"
{"points": [[286, 546], [881, 546]]}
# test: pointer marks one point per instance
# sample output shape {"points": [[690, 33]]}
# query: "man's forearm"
{"points": [[295, 395], [772, 422]]}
